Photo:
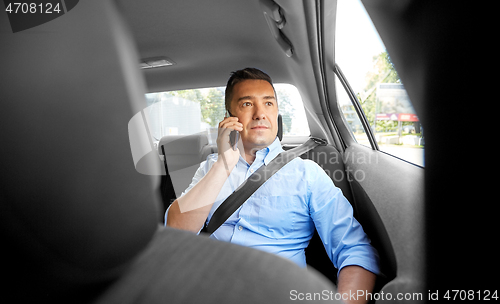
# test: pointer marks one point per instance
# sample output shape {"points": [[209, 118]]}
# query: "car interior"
{"points": [[301, 29], [86, 186]]}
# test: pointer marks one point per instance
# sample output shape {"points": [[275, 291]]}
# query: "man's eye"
{"points": [[269, 103], [246, 104]]}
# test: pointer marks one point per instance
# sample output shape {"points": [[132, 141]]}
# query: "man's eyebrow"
{"points": [[246, 98], [249, 97]]}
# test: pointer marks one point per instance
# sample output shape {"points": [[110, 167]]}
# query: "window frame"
{"points": [[345, 130], [357, 106]]}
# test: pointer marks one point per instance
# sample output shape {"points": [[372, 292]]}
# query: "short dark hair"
{"points": [[241, 75]]}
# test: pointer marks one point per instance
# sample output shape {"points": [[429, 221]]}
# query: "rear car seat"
{"points": [[184, 153]]}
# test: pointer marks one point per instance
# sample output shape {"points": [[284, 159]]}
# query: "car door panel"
{"points": [[389, 203]]}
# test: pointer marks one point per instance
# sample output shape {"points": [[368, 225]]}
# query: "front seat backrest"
{"points": [[73, 211]]}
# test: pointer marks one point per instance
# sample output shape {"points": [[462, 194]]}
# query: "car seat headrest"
{"points": [[183, 151], [183, 144], [280, 127]]}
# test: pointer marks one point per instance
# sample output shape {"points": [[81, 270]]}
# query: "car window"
{"points": [[187, 112], [350, 115], [368, 69]]}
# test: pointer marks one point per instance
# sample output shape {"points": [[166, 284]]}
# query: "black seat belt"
{"points": [[257, 179]]}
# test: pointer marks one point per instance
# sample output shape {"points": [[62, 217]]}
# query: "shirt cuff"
{"points": [[370, 265]]}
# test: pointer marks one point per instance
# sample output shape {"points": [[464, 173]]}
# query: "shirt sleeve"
{"points": [[343, 237]]}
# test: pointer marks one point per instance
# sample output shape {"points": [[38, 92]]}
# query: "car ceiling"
{"points": [[209, 39]]}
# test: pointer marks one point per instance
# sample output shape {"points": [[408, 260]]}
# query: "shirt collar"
{"points": [[272, 151], [268, 153]]}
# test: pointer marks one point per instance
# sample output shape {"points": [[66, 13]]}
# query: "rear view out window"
{"points": [[187, 112]]}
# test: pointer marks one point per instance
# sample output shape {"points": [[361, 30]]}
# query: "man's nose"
{"points": [[259, 112]]}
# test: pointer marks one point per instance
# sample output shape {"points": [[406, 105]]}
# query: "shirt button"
{"points": [[251, 170], [240, 228]]}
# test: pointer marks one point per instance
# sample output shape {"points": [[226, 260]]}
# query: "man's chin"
{"points": [[258, 143]]}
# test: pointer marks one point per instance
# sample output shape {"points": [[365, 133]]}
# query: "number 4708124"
{"points": [[26, 8], [457, 294]]}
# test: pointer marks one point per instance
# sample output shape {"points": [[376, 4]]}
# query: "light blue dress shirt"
{"points": [[281, 215]]}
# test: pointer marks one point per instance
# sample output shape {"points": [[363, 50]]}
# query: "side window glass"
{"points": [[368, 68], [350, 115], [292, 110]]}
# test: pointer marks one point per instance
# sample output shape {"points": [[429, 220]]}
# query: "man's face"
{"points": [[254, 103]]}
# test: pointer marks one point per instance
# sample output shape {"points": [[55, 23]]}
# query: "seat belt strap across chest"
{"points": [[257, 179]]}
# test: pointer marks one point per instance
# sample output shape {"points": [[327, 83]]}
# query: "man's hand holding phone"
{"points": [[227, 141]]}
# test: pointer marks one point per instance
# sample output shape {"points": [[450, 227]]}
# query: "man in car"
{"points": [[280, 217]]}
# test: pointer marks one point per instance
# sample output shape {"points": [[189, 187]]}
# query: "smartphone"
{"points": [[234, 136]]}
